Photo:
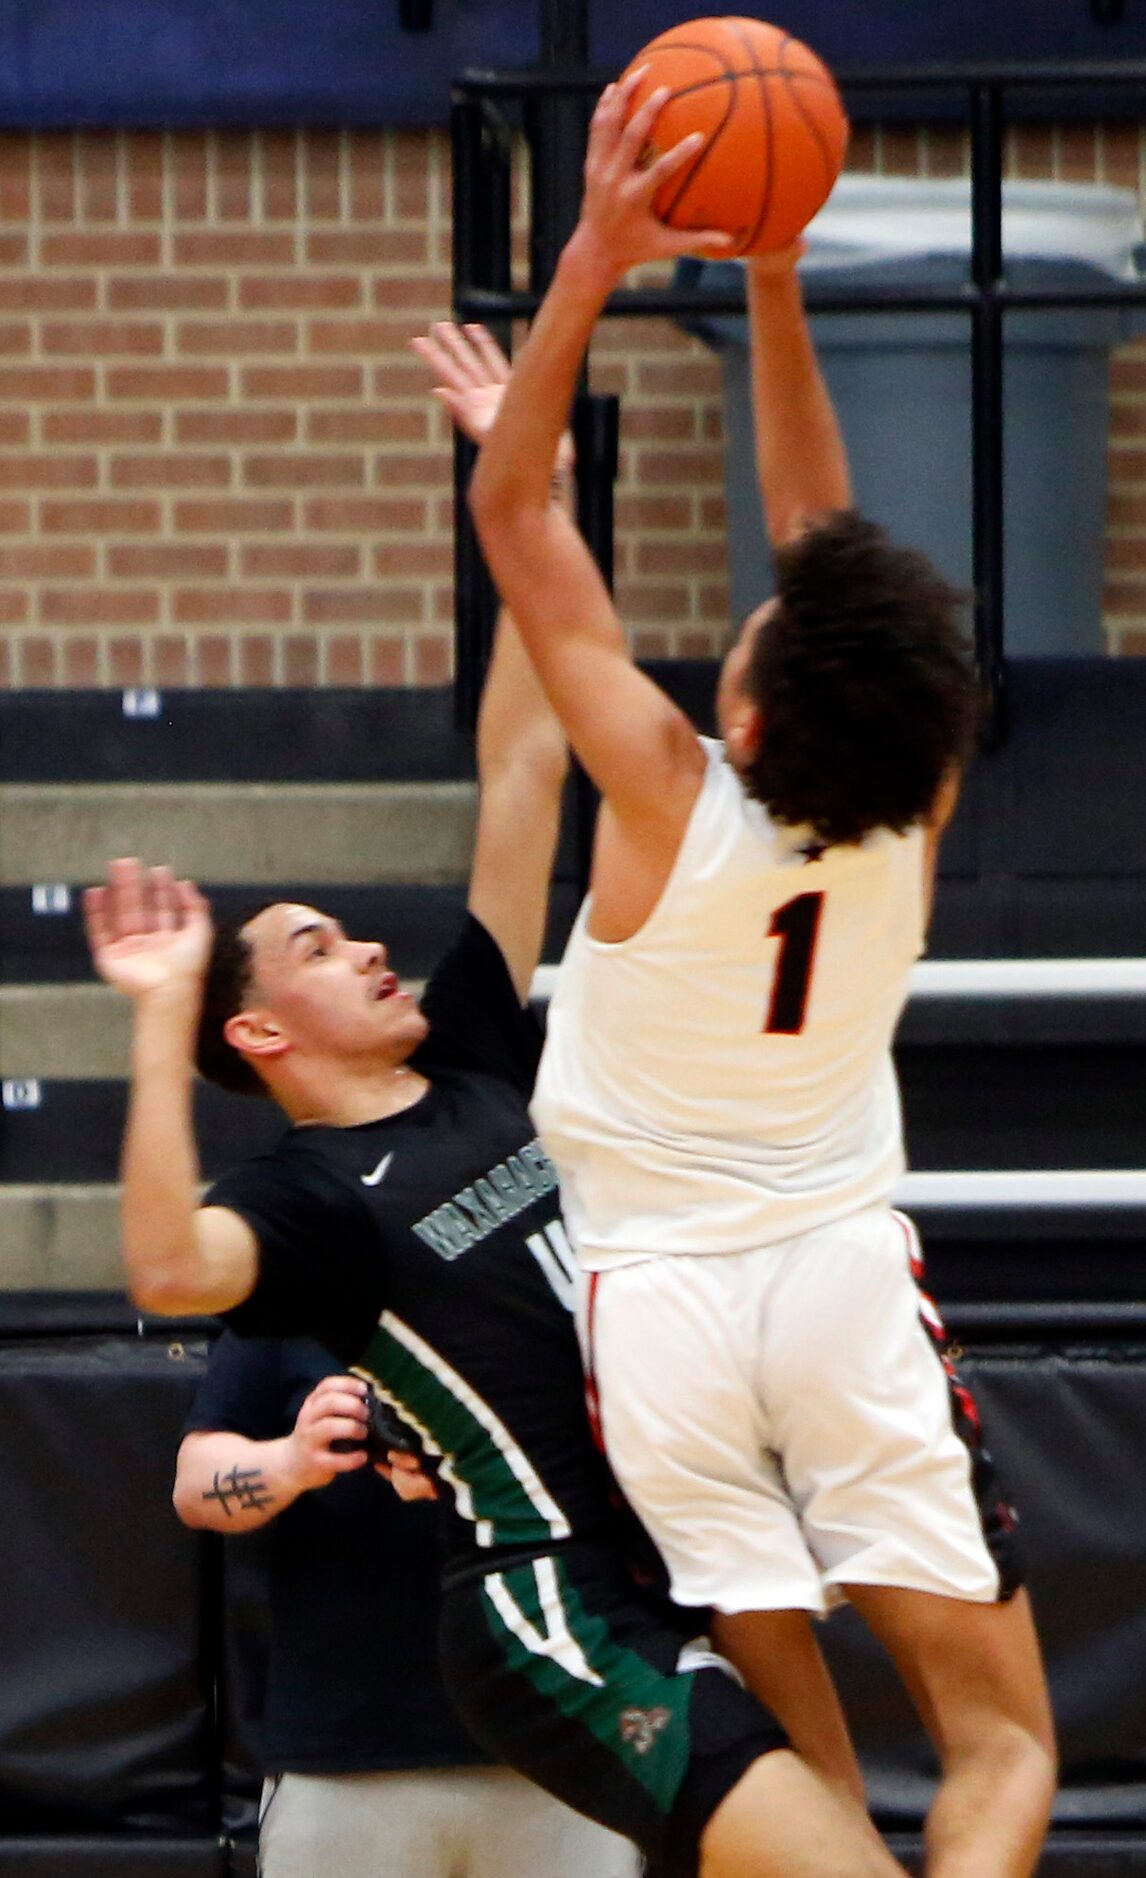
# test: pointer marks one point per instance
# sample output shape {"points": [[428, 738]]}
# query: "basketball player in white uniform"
{"points": [[718, 1093]]}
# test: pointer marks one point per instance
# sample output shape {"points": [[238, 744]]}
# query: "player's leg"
{"points": [[782, 1820], [975, 1674], [670, 1345], [515, 1830]]}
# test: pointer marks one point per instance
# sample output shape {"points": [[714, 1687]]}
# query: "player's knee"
{"points": [[1019, 1752]]}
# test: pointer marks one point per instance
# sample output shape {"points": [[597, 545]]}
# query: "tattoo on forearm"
{"points": [[244, 1486]]}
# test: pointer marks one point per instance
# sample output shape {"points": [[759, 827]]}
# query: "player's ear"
{"points": [[256, 1033], [743, 732]]}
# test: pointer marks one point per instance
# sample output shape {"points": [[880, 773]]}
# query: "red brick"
{"points": [[54, 169], [354, 606], [232, 154], [367, 154], [167, 382], [13, 605], [187, 156], [682, 557], [247, 247], [666, 423], [234, 516], [300, 659], [95, 338], [143, 176], [256, 659], [638, 600], [301, 561], [381, 247], [198, 605], [713, 513], [48, 472], [1121, 151], [168, 293], [80, 660], [688, 467], [258, 291], [400, 378], [125, 661], [363, 514], [386, 661], [301, 381], [97, 171], [110, 248], [235, 426], [1078, 153], [170, 470], [1031, 150], [46, 381], [651, 643], [168, 561], [443, 605], [101, 518], [861, 149], [37, 662], [358, 335], [715, 601], [303, 472], [1125, 556], [169, 661], [15, 427], [15, 337], [232, 337], [389, 426], [99, 426], [433, 660], [426, 293], [36, 562], [409, 176], [214, 659], [1123, 511], [899, 150], [1127, 419], [344, 659], [279, 175], [15, 177], [37, 294], [1132, 644], [412, 471], [93, 606], [322, 170], [416, 560], [945, 152], [5, 664]]}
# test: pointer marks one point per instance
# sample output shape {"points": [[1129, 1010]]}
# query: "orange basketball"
{"points": [[775, 130]]}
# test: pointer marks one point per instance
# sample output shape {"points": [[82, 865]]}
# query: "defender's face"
{"points": [[330, 995]]}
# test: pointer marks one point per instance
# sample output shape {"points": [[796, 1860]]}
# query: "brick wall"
{"points": [[217, 462]]}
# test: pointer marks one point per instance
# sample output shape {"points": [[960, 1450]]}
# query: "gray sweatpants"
{"points": [[440, 1822]]}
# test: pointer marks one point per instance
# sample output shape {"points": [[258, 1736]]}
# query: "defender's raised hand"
{"points": [[473, 373], [146, 930]]}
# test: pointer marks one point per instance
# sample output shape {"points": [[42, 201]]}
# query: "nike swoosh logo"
{"points": [[378, 1176]]}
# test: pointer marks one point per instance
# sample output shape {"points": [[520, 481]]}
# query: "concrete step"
{"points": [[246, 833], [59, 1238], [63, 1031]]}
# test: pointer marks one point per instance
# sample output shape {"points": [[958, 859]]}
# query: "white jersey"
{"points": [[723, 1079]]}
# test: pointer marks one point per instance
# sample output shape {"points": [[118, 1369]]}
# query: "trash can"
{"points": [[901, 383]]}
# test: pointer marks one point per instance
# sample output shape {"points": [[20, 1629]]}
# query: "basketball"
{"points": [[774, 127]]}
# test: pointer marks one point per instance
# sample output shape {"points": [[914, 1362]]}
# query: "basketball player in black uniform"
{"points": [[408, 1220]]}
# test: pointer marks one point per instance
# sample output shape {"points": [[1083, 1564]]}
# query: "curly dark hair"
{"points": [[230, 971], [865, 682]]}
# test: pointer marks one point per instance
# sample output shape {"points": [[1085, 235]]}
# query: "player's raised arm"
{"points": [[639, 749], [150, 938], [800, 456], [522, 753]]}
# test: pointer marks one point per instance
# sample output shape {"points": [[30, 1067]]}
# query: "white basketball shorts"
{"points": [[788, 1422]]}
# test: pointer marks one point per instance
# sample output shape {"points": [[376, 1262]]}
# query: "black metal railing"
{"points": [[489, 107]]}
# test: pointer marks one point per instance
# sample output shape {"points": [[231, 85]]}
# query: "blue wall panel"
{"points": [[172, 62]]}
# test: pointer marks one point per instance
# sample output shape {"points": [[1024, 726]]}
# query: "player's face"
{"points": [[331, 995], [736, 712]]}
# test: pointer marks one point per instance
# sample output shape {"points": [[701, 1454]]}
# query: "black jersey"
{"points": [[428, 1248]]}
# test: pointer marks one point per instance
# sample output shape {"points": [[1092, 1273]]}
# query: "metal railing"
{"points": [[489, 107]]}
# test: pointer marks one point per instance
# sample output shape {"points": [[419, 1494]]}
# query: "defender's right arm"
{"points": [[150, 938]]}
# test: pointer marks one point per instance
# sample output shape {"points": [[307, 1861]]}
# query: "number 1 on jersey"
{"points": [[796, 925]]}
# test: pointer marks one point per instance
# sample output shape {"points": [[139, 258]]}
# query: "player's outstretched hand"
{"points": [[472, 373], [328, 1433], [621, 185], [146, 930]]}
